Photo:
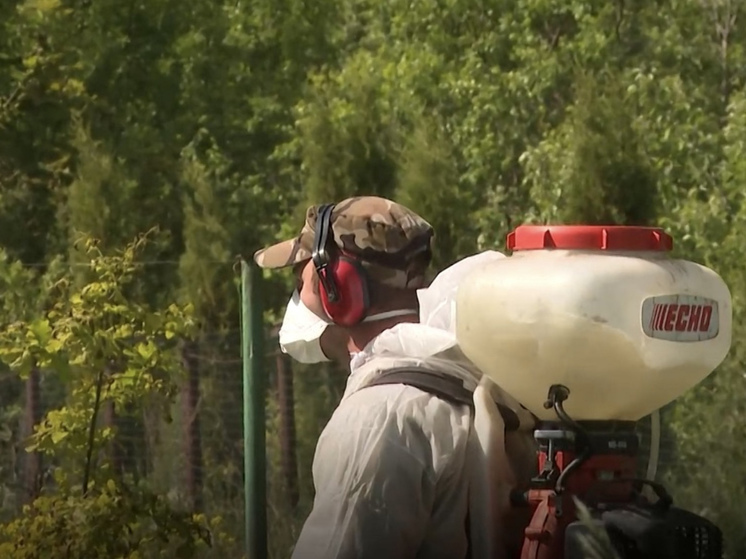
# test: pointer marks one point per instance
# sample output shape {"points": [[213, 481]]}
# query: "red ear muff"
{"points": [[343, 283], [352, 298]]}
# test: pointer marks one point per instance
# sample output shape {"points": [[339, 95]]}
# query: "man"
{"points": [[391, 469]]}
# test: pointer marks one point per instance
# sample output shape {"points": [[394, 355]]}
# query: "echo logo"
{"points": [[680, 318]]}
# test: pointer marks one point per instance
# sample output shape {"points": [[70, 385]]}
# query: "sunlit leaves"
{"points": [[113, 349], [111, 522], [94, 328]]}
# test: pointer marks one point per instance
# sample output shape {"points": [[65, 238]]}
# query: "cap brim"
{"points": [[282, 255]]}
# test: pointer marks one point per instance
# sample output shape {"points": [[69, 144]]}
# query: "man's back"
{"points": [[391, 479]]}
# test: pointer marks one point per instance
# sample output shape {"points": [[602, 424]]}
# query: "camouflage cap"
{"points": [[392, 242]]}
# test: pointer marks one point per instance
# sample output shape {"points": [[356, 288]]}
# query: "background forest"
{"points": [[217, 122]]}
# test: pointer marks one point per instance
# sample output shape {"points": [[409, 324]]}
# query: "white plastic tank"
{"points": [[601, 310]]}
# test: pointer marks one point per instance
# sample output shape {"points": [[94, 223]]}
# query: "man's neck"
{"points": [[362, 334]]}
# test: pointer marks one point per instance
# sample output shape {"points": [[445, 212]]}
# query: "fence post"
{"points": [[254, 383]]}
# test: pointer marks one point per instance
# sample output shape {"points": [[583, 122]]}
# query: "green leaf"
{"points": [[147, 350], [58, 435], [53, 346], [42, 330]]}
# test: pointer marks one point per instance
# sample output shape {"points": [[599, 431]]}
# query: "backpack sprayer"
{"points": [[591, 329]]}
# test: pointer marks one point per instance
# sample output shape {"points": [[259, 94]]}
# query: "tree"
{"points": [[80, 336], [593, 169], [207, 283]]}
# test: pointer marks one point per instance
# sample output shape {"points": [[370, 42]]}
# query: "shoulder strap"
{"points": [[443, 386]]}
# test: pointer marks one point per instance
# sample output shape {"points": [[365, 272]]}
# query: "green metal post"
{"points": [[254, 381]]}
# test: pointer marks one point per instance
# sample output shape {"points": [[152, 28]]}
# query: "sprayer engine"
{"points": [[593, 464]]}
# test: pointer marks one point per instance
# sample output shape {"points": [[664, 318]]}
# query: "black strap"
{"points": [[443, 386]]}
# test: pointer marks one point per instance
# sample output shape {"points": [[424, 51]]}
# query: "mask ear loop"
{"points": [[301, 331], [302, 319]]}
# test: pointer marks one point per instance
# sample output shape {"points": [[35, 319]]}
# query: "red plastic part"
{"points": [[544, 536], [589, 237]]}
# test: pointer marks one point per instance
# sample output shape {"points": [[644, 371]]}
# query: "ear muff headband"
{"points": [[320, 256], [343, 281]]}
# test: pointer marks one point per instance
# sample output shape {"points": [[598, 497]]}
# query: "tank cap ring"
{"points": [[589, 237]]}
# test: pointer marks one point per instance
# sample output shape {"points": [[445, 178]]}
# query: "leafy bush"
{"points": [[110, 350]]}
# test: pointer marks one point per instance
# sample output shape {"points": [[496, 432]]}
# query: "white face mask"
{"points": [[301, 330], [300, 333]]}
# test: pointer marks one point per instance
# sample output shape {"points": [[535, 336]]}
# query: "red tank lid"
{"points": [[589, 237]]}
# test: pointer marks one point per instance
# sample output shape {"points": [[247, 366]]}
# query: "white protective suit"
{"points": [[396, 469]]}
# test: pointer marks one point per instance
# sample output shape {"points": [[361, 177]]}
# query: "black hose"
{"points": [[557, 395]]}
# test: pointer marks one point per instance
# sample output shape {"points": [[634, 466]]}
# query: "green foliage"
{"points": [[96, 327], [592, 169], [113, 522], [107, 347], [206, 236]]}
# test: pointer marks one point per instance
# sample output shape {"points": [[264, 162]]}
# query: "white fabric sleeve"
{"points": [[375, 473]]}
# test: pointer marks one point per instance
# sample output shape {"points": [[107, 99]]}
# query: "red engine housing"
{"points": [[605, 478], [595, 462]]}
